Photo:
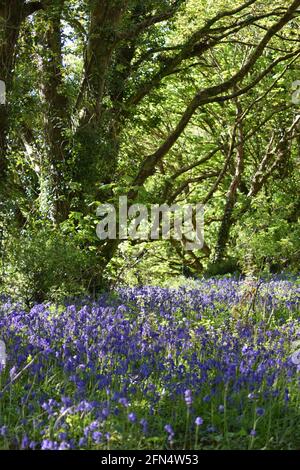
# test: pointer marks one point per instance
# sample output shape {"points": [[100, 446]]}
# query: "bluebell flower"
{"points": [[132, 417], [97, 437], [198, 421], [188, 397], [260, 411]]}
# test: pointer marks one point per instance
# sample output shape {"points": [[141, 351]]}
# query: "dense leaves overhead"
{"points": [[163, 101]]}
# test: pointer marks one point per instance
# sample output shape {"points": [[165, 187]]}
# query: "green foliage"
{"points": [[228, 266], [87, 111], [45, 264], [269, 240]]}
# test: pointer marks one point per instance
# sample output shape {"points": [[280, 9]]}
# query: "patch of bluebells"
{"points": [[88, 375]]}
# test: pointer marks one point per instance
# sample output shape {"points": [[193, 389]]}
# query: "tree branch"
{"points": [[210, 95], [150, 21]]}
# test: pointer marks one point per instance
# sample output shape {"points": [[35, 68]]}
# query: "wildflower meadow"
{"points": [[212, 364]]}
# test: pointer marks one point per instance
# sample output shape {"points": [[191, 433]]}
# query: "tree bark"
{"points": [[231, 198], [54, 171], [97, 135], [11, 16]]}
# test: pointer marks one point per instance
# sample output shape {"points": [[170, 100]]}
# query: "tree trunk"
{"points": [[97, 135], [11, 16], [227, 220], [54, 171]]}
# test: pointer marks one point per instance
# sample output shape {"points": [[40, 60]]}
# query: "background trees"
{"points": [[165, 101]]}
